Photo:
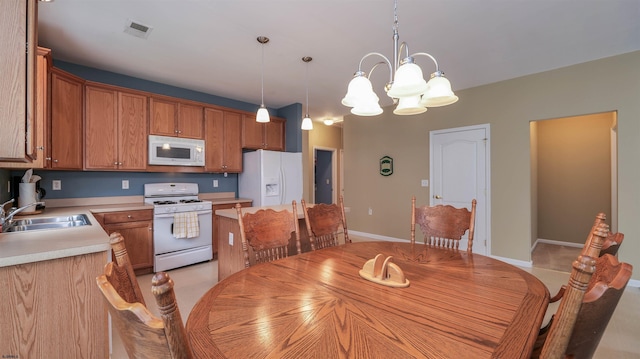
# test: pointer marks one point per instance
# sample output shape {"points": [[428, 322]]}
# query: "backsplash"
{"points": [[107, 184]]}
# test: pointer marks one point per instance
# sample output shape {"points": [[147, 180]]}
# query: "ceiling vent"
{"points": [[137, 29]]}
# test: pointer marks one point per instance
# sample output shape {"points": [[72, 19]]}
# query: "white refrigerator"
{"points": [[271, 178]]}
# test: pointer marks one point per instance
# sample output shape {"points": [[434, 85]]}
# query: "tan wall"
{"points": [[574, 174], [326, 137], [594, 87]]}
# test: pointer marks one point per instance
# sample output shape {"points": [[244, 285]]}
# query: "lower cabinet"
{"points": [[216, 219], [137, 229]]}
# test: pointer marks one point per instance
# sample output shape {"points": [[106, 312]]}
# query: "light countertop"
{"points": [[40, 245], [233, 214]]}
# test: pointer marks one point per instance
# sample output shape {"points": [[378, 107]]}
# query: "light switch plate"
{"points": [[215, 183], [424, 183], [230, 238]]}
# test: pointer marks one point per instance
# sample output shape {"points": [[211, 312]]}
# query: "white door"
{"points": [[459, 172]]}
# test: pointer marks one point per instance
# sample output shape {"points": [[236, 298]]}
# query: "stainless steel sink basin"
{"points": [[32, 224]]}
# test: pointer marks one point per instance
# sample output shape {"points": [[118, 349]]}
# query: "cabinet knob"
{"points": [[55, 161], [129, 216], [48, 158], [41, 148], [115, 163]]}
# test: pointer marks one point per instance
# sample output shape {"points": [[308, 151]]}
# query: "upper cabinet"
{"points": [[173, 118], [267, 136], [66, 120], [223, 141], [17, 89], [115, 129]]}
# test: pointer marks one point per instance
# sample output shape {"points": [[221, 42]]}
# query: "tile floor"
{"points": [[551, 264]]}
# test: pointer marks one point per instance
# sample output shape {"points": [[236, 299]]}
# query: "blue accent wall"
{"points": [[293, 114], [106, 184]]}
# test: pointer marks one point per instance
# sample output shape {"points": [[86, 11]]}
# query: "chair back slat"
{"points": [[326, 223], [268, 232], [126, 284], [443, 225]]}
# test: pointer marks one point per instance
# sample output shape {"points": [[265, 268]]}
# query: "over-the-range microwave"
{"points": [[175, 151]]}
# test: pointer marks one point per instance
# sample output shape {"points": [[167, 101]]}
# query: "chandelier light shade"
{"points": [[307, 124], [406, 85], [263, 113]]}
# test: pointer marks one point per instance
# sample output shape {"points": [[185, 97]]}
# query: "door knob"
{"points": [[437, 197]]}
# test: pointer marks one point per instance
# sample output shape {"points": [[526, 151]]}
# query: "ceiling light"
{"points": [[328, 122], [306, 121], [263, 113], [406, 84]]}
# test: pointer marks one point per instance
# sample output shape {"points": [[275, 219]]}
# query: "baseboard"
{"points": [[515, 262], [376, 237], [557, 243]]}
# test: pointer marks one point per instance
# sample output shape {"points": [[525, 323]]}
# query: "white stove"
{"points": [[170, 202]]}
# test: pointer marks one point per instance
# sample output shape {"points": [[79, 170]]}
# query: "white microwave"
{"points": [[175, 151]]}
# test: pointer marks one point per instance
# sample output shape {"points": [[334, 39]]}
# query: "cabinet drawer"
{"points": [[128, 216]]}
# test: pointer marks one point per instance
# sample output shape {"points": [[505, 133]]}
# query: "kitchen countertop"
{"points": [[40, 245], [233, 214]]}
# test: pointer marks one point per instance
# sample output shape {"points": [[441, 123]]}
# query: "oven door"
{"points": [[165, 242]]}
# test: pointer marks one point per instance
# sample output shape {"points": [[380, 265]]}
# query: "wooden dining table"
{"points": [[316, 305]]}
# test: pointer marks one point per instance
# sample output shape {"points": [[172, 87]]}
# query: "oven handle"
{"points": [[171, 215]]}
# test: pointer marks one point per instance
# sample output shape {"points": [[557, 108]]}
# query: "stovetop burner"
{"points": [[190, 200], [164, 202]]}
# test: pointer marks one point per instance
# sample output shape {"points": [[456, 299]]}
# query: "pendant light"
{"points": [[263, 113], [406, 85], [306, 121]]}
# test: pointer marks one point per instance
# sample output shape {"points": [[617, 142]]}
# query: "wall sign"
{"points": [[386, 166]]}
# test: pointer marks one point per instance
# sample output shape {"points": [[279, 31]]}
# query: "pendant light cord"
{"points": [[262, 78]]}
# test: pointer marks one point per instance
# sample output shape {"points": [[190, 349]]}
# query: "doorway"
{"points": [[324, 174], [574, 177], [460, 172]]}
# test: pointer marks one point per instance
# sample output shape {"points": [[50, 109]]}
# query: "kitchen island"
{"points": [[51, 305], [230, 254]]}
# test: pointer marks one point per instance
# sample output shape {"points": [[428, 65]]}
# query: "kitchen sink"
{"points": [[32, 224]]}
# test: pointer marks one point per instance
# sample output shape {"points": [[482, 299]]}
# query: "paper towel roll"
{"points": [[27, 195]]}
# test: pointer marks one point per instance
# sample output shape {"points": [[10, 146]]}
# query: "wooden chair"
{"points": [[610, 278], [268, 232], [443, 225], [612, 243], [325, 224], [126, 283], [143, 334]]}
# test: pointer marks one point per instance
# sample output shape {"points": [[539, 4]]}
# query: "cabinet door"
{"points": [[190, 121], [163, 117], [232, 142], [41, 125], [132, 131], [17, 88], [274, 134], [138, 239], [252, 133], [66, 120], [214, 139], [101, 132]]}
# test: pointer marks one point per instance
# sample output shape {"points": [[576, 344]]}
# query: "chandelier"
{"points": [[406, 85]]}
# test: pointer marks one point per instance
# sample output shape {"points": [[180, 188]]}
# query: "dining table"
{"points": [[455, 304]]}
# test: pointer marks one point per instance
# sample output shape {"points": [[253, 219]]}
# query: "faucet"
{"points": [[8, 217]]}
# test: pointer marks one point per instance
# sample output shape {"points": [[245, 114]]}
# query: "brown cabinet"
{"points": [[177, 119], [216, 221], [66, 120], [115, 129], [137, 229], [267, 136], [223, 132], [40, 129], [18, 22]]}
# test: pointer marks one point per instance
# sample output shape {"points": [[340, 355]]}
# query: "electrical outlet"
{"points": [[56, 185], [424, 183], [230, 238], [215, 183], [125, 184], [370, 211]]}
